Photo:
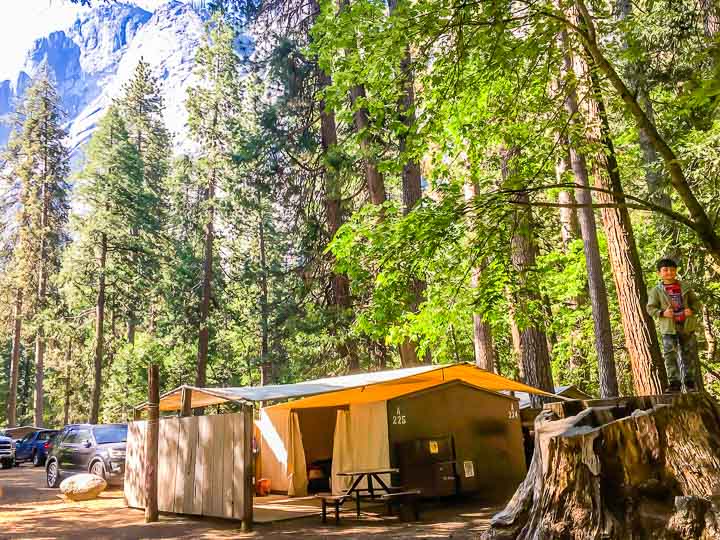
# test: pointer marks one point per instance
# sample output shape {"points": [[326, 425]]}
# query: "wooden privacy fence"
{"points": [[204, 465]]}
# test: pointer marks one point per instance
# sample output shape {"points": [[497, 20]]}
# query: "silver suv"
{"points": [[7, 452]]}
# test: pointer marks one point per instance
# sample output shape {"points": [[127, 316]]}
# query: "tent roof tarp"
{"points": [[343, 390]]}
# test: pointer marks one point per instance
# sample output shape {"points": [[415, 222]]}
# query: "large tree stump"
{"points": [[644, 467]]}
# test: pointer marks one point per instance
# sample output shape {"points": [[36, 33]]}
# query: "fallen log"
{"points": [[631, 468]]}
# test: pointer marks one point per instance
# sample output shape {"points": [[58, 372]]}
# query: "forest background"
{"points": [[378, 185]]}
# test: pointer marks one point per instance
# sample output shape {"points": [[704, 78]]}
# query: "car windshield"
{"points": [[110, 434], [45, 435]]}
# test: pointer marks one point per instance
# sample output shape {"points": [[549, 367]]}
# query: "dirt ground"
{"points": [[29, 509]]}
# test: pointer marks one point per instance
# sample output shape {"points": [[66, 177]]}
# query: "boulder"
{"points": [[82, 487]]}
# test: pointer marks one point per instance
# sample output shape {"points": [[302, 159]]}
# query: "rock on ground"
{"points": [[82, 487]]}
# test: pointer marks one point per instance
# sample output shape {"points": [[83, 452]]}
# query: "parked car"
{"points": [[34, 446], [97, 449], [7, 452]]}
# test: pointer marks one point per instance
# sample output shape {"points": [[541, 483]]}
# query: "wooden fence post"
{"points": [[151, 445], [248, 459]]}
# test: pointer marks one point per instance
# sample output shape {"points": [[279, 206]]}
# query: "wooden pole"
{"points": [[247, 468], [186, 402], [151, 445]]}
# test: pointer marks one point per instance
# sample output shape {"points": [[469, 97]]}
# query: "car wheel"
{"points": [[53, 474], [98, 469], [36, 459]]}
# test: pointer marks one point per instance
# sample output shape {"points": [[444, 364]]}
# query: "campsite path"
{"points": [[28, 509]]}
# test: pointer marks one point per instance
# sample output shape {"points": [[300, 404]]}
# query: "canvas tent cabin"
{"points": [[372, 420]]}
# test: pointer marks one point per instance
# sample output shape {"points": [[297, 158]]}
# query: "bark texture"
{"points": [[99, 333], [640, 336], [597, 290], [41, 302], [334, 216], [373, 176], [636, 468]]}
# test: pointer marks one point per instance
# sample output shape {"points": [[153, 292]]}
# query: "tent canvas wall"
{"points": [[485, 427]]}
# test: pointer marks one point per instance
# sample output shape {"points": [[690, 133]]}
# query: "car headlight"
{"points": [[116, 453]]}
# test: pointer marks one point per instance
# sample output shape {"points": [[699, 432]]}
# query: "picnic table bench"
{"points": [[336, 501]]}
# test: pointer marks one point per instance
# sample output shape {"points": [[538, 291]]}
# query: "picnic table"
{"points": [[358, 475], [370, 474]]}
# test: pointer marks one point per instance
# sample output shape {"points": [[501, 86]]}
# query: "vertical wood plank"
{"points": [[163, 456], [228, 472], [217, 437], [247, 467], [132, 466], [172, 469], [207, 464], [181, 466], [167, 463], [238, 481], [189, 489], [199, 467], [142, 433]]}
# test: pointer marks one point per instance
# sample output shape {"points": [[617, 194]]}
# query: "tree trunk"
{"points": [[588, 229], [41, 302], [569, 227], [482, 331], [373, 176], [209, 245], [15, 359], [266, 367], [643, 468], [640, 335], [534, 356], [99, 333], [339, 283], [131, 328], [66, 404]]}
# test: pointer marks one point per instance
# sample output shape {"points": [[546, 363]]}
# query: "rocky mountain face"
{"points": [[92, 60]]}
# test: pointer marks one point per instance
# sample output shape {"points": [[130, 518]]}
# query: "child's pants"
{"points": [[686, 346]]}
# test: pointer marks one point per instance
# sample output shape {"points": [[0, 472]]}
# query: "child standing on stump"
{"points": [[674, 304]]}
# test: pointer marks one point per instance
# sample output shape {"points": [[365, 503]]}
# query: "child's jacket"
{"points": [[659, 301]]}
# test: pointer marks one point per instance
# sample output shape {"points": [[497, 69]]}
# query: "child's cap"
{"points": [[666, 263]]}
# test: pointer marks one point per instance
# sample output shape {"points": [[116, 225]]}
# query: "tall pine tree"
{"points": [[114, 195], [214, 110], [41, 166]]}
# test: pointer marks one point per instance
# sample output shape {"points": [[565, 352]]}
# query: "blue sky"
{"points": [[22, 21]]}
